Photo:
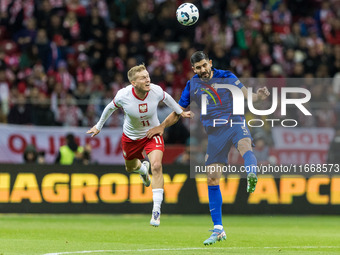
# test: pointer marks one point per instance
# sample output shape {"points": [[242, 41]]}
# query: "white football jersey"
{"points": [[140, 115]]}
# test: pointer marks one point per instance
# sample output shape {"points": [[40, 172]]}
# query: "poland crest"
{"points": [[143, 108]]}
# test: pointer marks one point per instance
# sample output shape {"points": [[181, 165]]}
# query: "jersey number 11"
{"points": [[145, 123]]}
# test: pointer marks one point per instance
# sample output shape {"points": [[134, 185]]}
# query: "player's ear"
{"points": [[193, 69], [210, 62]]}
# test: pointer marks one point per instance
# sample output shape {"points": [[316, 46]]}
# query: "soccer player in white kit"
{"points": [[139, 102]]}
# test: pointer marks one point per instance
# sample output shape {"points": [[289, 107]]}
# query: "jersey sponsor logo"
{"points": [[143, 108]]}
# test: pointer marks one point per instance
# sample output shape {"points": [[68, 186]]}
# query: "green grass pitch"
{"points": [[177, 234]]}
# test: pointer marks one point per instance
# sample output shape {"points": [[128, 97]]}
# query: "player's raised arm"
{"points": [[261, 93], [175, 115], [169, 121], [170, 102], [109, 109], [94, 131]]}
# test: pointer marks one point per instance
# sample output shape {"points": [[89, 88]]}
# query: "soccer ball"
{"points": [[187, 14]]}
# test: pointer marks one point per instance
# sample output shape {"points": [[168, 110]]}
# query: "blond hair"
{"points": [[136, 69]]}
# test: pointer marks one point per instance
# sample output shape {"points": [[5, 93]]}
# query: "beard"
{"points": [[205, 76]]}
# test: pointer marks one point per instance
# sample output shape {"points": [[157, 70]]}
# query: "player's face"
{"points": [[142, 81], [203, 69]]}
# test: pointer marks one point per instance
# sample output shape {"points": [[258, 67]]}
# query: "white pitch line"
{"points": [[193, 248]]}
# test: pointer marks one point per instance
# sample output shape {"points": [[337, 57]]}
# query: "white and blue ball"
{"points": [[187, 14]]}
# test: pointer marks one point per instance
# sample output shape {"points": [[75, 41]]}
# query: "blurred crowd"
{"points": [[62, 61]]}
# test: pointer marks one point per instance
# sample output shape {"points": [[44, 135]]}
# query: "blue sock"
{"points": [[215, 204], [250, 162]]}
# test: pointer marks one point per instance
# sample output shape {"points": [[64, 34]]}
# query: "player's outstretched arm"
{"points": [[261, 93], [169, 121], [109, 109], [94, 131], [187, 114]]}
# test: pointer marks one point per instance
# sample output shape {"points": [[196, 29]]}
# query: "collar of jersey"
{"points": [[134, 93]]}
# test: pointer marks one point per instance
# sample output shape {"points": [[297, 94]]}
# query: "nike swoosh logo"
{"points": [[158, 145], [196, 92], [212, 209]]}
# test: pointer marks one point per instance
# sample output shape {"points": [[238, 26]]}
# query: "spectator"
{"points": [[167, 26], [261, 149], [26, 36], [82, 96], [42, 114], [192, 153], [162, 58], [97, 88], [41, 158], [38, 78], [142, 20], [108, 72], [111, 43], [96, 56], [30, 154], [220, 57], [282, 19], [103, 10], [94, 27], [72, 26], [44, 13], [84, 71], [64, 77], [122, 11], [70, 153], [4, 93], [334, 148], [44, 49], [20, 112], [29, 57], [292, 40], [136, 47], [68, 113], [57, 97], [57, 32], [75, 7], [86, 156], [312, 61]]}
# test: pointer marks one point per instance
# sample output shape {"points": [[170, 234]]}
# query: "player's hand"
{"points": [[159, 130], [262, 93], [94, 131], [187, 114]]}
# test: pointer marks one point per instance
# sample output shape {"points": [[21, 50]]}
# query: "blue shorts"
{"points": [[220, 140]]}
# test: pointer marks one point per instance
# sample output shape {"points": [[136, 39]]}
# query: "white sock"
{"points": [[157, 199], [142, 169], [220, 227]]}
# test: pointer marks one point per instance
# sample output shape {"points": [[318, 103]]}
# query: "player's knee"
{"points": [[156, 167], [244, 145], [213, 181]]}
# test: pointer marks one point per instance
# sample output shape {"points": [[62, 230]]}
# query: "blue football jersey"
{"points": [[219, 101]]}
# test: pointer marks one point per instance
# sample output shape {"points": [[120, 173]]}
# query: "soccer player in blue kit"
{"points": [[220, 137]]}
